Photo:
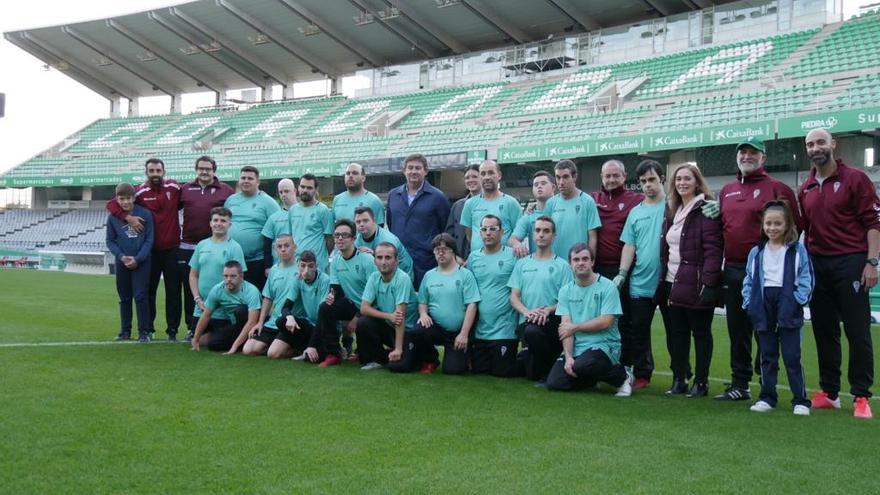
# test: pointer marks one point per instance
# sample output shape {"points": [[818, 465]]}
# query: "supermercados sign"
{"points": [[844, 120]]}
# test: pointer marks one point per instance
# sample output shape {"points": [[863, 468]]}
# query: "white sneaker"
{"points": [[301, 357], [626, 389], [761, 406], [371, 366], [800, 410]]}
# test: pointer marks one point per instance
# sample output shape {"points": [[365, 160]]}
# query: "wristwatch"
{"points": [[874, 261]]}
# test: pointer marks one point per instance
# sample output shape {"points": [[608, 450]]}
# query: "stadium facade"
{"points": [[678, 87]]}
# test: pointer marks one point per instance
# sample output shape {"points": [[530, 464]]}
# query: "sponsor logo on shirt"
{"points": [[734, 193]]}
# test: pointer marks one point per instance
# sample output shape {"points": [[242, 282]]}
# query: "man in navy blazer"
{"points": [[417, 211]]}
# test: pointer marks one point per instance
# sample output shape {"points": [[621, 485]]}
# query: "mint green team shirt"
{"points": [[506, 208], [643, 229], [586, 303], [385, 296], [574, 218], [405, 261], [344, 204], [539, 281], [307, 297], [208, 258], [352, 274], [497, 319], [309, 225], [276, 225], [525, 228], [222, 303], [447, 296], [249, 216], [278, 284]]}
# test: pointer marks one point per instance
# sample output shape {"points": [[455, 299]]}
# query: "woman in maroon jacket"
{"points": [[690, 275]]}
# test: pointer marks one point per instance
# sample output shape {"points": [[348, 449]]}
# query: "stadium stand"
{"points": [[851, 47], [44, 229], [864, 91]]}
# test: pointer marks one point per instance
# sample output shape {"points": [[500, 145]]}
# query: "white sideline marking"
{"points": [[755, 384]]}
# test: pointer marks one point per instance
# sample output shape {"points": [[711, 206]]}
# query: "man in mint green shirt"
{"points": [[251, 208], [494, 347], [279, 282], [589, 308], [448, 298], [491, 201], [534, 287], [389, 309], [278, 223], [296, 327], [231, 310], [574, 211], [640, 236], [543, 188], [209, 256], [311, 222], [356, 195], [370, 235]]}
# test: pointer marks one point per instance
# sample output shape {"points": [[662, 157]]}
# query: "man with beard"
{"points": [[453, 225], [278, 224], [162, 198], [521, 240], [356, 195], [311, 222], [842, 233], [741, 202], [251, 208], [231, 309], [491, 201]]}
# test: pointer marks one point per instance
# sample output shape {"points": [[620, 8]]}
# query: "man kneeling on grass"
{"points": [[281, 278], [297, 332], [389, 309], [589, 308], [231, 310]]}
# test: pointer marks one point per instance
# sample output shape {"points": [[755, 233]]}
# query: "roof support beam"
{"points": [[249, 58], [653, 5], [492, 18], [585, 21], [334, 34], [81, 74], [297, 52], [443, 37], [117, 59], [426, 51], [173, 61]]}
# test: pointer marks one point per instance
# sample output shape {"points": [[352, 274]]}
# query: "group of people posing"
{"points": [[563, 293]]}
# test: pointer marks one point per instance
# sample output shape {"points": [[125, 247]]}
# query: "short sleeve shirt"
{"points": [[447, 296], [222, 303], [506, 208], [587, 303], [539, 281], [309, 225], [574, 218], [496, 317], [208, 258], [643, 230], [352, 274], [344, 204], [385, 296], [280, 281], [249, 216]]}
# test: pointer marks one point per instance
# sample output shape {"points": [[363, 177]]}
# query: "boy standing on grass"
{"points": [[131, 249]]}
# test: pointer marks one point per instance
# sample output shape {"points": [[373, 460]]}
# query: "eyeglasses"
{"points": [[342, 235], [441, 250], [493, 228]]}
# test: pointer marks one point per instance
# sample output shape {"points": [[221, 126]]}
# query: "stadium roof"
{"points": [[214, 45]]}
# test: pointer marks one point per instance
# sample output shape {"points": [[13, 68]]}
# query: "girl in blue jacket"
{"points": [[778, 283]]}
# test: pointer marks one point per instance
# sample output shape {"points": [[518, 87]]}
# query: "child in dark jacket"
{"points": [[778, 283], [131, 249]]}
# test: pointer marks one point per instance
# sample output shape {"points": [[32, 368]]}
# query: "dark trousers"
{"points": [[684, 323], [133, 285], [189, 306], [256, 273], [624, 321], [739, 327], [163, 264], [375, 338], [304, 336], [771, 340], [543, 347], [222, 333], [835, 298], [642, 311], [591, 367], [454, 362], [495, 357], [343, 311]]}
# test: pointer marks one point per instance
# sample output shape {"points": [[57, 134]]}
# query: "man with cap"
{"points": [[741, 202]]}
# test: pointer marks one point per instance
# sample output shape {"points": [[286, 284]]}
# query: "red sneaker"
{"points": [[428, 368], [330, 360], [862, 409], [641, 383], [821, 401]]}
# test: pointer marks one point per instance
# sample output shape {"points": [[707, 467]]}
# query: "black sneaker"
{"points": [[123, 336], [734, 393], [172, 335], [145, 338], [698, 390], [189, 336]]}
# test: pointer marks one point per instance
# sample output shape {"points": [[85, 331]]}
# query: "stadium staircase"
{"points": [[778, 72]]}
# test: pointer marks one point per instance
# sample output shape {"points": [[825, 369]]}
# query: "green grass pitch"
{"points": [[157, 418]]}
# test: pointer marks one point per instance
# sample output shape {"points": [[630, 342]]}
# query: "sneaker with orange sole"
{"points": [[428, 368], [821, 401], [861, 408], [641, 383], [330, 360]]}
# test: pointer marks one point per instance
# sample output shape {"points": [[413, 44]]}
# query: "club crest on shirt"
{"points": [[357, 268], [577, 208], [856, 286], [620, 206], [836, 186], [501, 264], [503, 350], [253, 205], [756, 193], [168, 195], [552, 269], [457, 284]]}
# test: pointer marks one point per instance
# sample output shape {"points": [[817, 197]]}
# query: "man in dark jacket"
{"points": [[417, 211]]}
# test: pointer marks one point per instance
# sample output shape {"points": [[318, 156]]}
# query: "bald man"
{"points": [[277, 224], [356, 195], [841, 215]]}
